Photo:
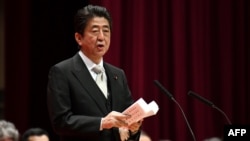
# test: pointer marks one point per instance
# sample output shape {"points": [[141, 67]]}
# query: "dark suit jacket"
{"points": [[76, 104]]}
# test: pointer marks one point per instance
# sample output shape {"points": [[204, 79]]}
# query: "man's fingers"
{"points": [[118, 115], [115, 119]]}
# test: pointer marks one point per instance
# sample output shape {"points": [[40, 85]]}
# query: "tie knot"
{"points": [[97, 69]]}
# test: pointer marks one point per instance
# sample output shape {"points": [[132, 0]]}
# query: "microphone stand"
{"points": [[164, 90], [189, 127]]}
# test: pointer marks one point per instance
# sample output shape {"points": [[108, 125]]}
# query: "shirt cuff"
{"points": [[101, 125]]}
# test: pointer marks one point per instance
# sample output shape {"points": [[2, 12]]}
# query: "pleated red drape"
{"points": [[17, 67], [199, 45]]}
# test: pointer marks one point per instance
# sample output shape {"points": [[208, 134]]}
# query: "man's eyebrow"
{"points": [[96, 26], [107, 26]]}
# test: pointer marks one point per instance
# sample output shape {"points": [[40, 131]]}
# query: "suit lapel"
{"points": [[112, 84], [82, 74]]}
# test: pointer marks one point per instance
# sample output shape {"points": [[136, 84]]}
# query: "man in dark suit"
{"points": [[79, 109]]}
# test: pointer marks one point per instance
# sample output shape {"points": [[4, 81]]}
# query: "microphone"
{"points": [[209, 103], [164, 90]]}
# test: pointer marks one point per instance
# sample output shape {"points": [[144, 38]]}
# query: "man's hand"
{"points": [[114, 119], [134, 127]]}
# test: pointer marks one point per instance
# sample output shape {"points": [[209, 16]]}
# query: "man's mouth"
{"points": [[100, 45]]}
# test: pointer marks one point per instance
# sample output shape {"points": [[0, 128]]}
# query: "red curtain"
{"points": [[199, 45], [17, 65]]}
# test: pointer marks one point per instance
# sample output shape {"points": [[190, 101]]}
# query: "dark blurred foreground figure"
{"points": [[8, 131], [35, 134], [80, 109]]}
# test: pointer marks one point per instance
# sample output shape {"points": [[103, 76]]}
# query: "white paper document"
{"points": [[140, 109]]}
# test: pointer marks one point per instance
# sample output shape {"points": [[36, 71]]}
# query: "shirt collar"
{"points": [[90, 64]]}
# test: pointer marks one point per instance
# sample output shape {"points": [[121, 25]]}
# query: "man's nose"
{"points": [[100, 36]]}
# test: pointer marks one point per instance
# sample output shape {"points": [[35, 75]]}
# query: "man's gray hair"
{"points": [[8, 130]]}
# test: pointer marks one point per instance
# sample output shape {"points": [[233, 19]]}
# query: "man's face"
{"points": [[38, 138], [95, 40], [6, 139]]}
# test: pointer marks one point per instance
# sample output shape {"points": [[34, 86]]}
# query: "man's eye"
{"points": [[106, 30]]}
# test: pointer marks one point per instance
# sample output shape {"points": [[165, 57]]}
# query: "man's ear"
{"points": [[78, 38]]}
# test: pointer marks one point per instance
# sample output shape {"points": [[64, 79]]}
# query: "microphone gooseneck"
{"points": [[164, 90], [209, 103]]}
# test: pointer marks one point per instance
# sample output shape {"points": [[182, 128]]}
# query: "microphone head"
{"points": [[202, 99], [157, 83]]}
